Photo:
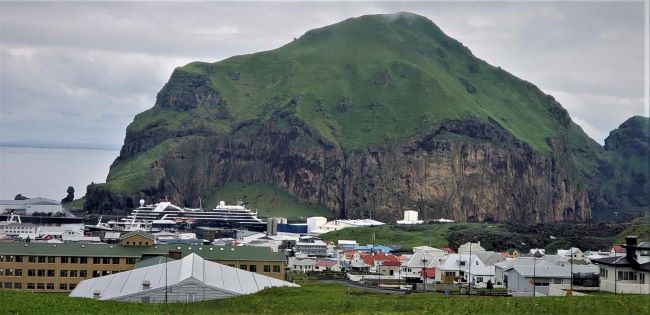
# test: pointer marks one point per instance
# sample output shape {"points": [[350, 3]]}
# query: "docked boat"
{"points": [[165, 215]]}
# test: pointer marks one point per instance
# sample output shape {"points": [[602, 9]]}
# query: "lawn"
{"points": [[434, 235], [315, 298]]}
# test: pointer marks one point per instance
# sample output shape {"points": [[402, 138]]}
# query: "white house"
{"points": [[185, 280], [469, 246], [301, 265], [522, 280], [629, 273], [466, 268], [573, 253]]}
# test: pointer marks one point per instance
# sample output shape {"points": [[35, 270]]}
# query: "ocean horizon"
{"points": [[37, 171]]}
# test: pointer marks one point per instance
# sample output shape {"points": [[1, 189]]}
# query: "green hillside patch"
{"points": [[640, 228], [379, 77], [435, 235], [317, 298], [77, 204], [136, 173], [267, 200]]}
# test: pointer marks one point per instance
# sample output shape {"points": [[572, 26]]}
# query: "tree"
{"points": [[70, 196]]}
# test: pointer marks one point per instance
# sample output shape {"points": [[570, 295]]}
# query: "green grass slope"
{"points": [[435, 235], [315, 298], [370, 79], [268, 200]]}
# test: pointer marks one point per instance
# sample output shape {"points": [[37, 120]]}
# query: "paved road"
{"points": [[356, 285]]}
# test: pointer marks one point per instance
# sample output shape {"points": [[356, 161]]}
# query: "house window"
{"points": [[65, 260], [32, 259], [83, 260], [41, 259], [276, 268], [106, 260], [116, 260], [557, 281], [106, 272], [243, 267], [64, 273], [641, 277], [41, 272], [139, 243], [31, 273], [83, 273], [267, 268], [73, 273], [97, 260], [18, 272], [72, 286], [40, 286], [127, 243], [9, 272], [8, 285], [63, 286], [190, 297], [479, 279], [50, 286], [252, 268], [626, 275], [30, 285], [74, 260], [19, 259], [18, 285], [96, 273], [130, 261], [50, 259], [50, 273]]}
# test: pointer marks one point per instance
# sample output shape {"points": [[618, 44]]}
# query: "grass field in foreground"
{"points": [[316, 298]]}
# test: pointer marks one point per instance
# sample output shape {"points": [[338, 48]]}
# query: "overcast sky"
{"points": [[77, 73]]}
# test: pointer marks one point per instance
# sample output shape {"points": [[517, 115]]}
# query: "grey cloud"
{"points": [[81, 71]]}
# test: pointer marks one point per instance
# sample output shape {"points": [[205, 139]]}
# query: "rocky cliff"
{"points": [[393, 115]]}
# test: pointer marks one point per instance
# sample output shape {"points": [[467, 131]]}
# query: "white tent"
{"points": [[186, 280]]}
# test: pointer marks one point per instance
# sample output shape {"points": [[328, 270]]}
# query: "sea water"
{"points": [[47, 172]]}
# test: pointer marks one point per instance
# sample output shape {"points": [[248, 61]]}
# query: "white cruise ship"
{"points": [[165, 214]]}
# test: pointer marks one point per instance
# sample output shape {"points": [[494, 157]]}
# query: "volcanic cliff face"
{"points": [[424, 126]]}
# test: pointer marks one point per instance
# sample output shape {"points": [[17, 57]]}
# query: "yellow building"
{"points": [[59, 267]]}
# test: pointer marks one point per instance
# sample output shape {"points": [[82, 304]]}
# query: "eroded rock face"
{"points": [[466, 170]]}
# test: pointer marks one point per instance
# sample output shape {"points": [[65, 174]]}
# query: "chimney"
{"points": [[630, 243]]}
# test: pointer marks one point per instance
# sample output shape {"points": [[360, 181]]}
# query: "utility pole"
{"points": [[424, 271], [469, 272], [571, 262], [534, 266], [166, 256]]}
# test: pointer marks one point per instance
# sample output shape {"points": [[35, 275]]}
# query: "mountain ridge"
{"points": [[370, 116]]}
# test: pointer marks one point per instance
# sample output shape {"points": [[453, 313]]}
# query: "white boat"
{"points": [[162, 215]]}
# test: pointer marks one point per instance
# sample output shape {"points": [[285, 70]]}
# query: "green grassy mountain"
{"points": [[367, 117]]}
